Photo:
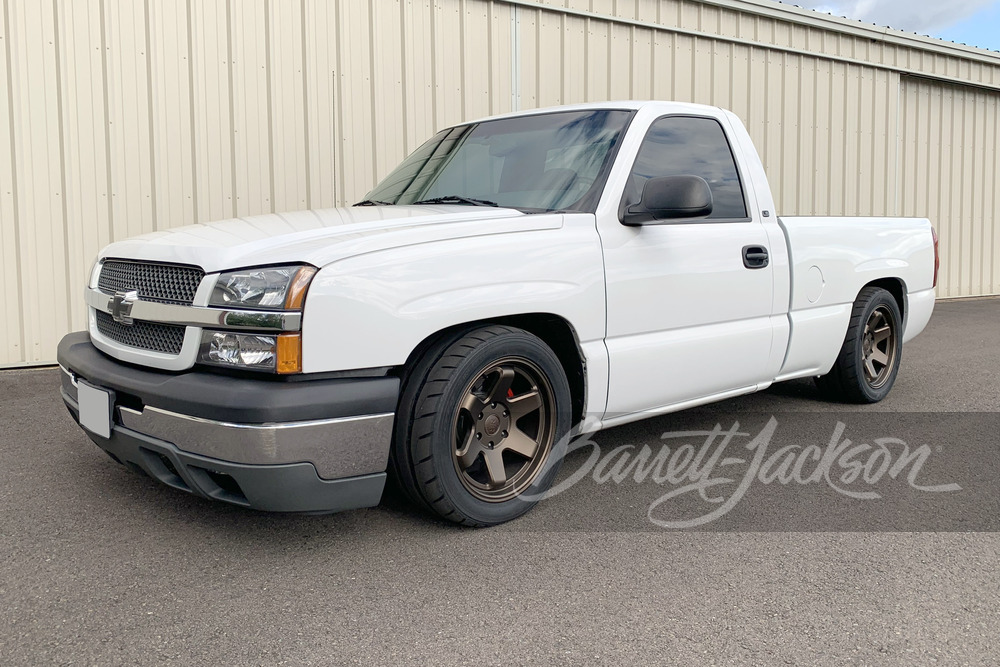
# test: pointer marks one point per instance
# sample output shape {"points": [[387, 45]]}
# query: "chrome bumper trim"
{"points": [[198, 316], [337, 447], [343, 447]]}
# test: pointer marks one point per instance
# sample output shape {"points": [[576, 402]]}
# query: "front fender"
{"points": [[372, 310]]}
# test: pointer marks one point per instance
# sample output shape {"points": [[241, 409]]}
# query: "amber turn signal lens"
{"points": [[289, 353], [297, 290]]}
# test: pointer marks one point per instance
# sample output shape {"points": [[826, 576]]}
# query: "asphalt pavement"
{"points": [[891, 559]]}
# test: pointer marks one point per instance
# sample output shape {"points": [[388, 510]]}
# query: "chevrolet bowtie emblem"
{"points": [[120, 306]]}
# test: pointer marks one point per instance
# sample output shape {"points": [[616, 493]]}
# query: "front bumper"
{"points": [[299, 446]]}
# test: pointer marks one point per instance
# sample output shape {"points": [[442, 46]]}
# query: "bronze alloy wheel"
{"points": [[480, 424], [504, 429], [869, 359], [878, 347]]}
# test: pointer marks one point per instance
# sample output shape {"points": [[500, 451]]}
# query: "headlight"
{"points": [[256, 352], [270, 288], [276, 288]]}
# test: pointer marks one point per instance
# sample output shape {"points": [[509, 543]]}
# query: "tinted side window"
{"points": [[680, 145]]}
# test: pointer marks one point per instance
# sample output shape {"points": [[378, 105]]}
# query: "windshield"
{"points": [[546, 162]]}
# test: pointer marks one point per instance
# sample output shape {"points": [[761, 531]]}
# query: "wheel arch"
{"points": [[854, 378], [897, 288], [554, 330]]}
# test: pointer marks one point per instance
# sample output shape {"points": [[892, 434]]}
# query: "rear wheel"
{"points": [[482, 418], [869, 359]]}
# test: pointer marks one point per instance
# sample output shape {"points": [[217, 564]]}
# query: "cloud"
{"points": [[922, 16]]}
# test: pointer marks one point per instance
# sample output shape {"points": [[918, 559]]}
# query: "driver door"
{"points": [[688, 318]]}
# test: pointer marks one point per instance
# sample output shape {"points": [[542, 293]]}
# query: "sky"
{"points": [[972, 22]]}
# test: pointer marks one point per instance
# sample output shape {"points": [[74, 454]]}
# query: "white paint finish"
{"points": [[595, 355], [760, 201], [816, 337], [319, 237], [685, 317], [781, 336], [372, 309], [892, 247], [684, 314], [619, 419], [660, 369], [667, 314], [919, 306], [673, 276], [899, 248], [813, 284]]}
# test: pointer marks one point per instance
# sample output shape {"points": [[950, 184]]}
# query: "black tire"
{"points": [[449, 391], [868, 362]]}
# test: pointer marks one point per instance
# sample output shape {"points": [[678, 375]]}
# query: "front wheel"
{"points": [[480, 424], [868, 362]]}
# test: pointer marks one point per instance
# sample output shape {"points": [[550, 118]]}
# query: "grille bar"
{"points": [[165, 283], [152, 336]]}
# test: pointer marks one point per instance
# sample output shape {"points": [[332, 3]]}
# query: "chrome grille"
{"points": [[166, 283], [166, 338]]}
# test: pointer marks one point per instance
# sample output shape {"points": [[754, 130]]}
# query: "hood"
{"points": [[320, 237]]}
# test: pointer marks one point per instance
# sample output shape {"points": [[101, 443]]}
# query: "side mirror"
{"points": [[669, 198]]}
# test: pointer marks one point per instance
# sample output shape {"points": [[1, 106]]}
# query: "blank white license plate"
{"points": [[95, 409]]}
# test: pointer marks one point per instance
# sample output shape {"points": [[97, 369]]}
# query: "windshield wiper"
{"points": [[448, 199], [373, 202]]}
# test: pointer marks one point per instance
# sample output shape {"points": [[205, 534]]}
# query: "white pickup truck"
{"points": [[515, 280]]}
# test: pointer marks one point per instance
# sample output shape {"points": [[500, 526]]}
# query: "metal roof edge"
{"points": [[795, 14]]}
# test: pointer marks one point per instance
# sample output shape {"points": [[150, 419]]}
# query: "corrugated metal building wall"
{"points": [[127, 116]]}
